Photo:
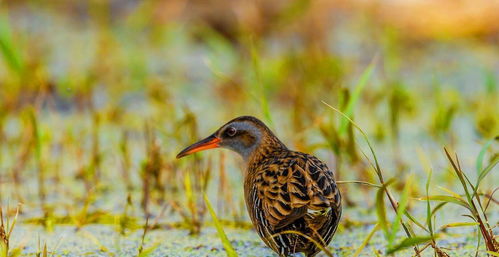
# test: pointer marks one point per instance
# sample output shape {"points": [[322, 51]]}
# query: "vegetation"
{"points": [[96, 100]]}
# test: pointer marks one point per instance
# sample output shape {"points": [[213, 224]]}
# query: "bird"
{"points": [[291, 197]]}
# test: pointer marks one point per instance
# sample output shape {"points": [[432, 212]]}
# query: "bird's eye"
{"points": [[230, 131]]}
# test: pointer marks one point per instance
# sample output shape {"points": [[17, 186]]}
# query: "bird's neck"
{"points": [[267, 147]]}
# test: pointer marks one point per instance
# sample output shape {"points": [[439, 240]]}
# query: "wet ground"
{"points": [[104, 240]]}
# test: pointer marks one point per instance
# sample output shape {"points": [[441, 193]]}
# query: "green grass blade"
{"points": [[437, 208], [428, 204], [423, 159], [481, 155], [462, 178], [7, 47], [221, 233], [376, 167], [97, 242], [366, 241], [36, 132], [446, 198], [415, 221], [401, 208], [366, 138], [188, 188], [365, 183], [459, 224], [408, 242], [380, 208], [45, 252], [486, 171], [364, 78], [452, 193], [148, 251], [490, 82]]}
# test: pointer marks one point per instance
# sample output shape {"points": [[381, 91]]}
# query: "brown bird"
{"points": [[291, 197]]}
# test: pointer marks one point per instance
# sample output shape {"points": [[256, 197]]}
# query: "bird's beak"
{"points": [[207, 143]]}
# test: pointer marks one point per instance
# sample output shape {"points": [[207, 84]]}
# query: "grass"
{"points": [[390, 230], [92, 115], [8, 48], [354, 98], [473, 202], [359, 250], [398, 207], [221, 233], [6, 228]]}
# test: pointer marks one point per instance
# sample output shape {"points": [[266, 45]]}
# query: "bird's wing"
{"points": [[295, 186]]}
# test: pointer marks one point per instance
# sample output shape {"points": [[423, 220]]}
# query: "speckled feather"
{"points": [[291, 191], [291, 197]]}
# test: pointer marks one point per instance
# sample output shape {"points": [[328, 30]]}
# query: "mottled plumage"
{"points": [[284, 190]]}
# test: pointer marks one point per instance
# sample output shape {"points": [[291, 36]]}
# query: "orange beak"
{"points": [[207, 143]]}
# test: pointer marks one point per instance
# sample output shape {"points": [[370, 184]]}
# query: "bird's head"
{"points": [[243, 135]]}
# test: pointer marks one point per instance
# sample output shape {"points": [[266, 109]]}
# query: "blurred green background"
{"points": [[97, 97]]}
